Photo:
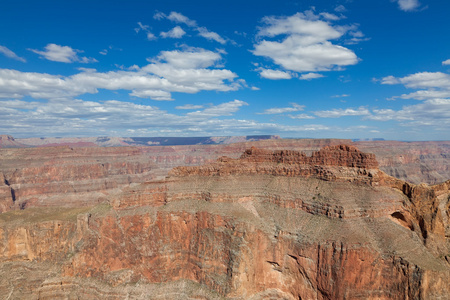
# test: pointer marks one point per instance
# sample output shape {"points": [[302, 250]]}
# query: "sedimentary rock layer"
{"points": [[248, 228]]}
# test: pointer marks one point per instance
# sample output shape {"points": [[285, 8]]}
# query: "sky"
{"points": [[298, 69]]}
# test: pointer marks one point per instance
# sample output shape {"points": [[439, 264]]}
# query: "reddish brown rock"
{"points": [[7, 141], [272, 224]]}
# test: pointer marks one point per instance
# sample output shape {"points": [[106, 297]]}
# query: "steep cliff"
{"points": [[267, 225]]}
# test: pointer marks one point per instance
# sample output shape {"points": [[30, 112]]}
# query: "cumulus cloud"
{"points": [[118, 118], [274, 74], [408, 5], [435, 112], [189, 106], [224, 109], [8, 53], [337, 113], [281, 110], [189, 71], [304, 43], [309, 76], [433, 89], [182, 19], [63, 54], [176, 33], [431, 85], [446, 62], [191, 58], [89, 118], [302, 116], [331, 17]]}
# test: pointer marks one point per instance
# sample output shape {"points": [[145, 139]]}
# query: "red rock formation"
{"points": [[322, 164], [7, 141], [7, 196], [272, 224], [415, 162], [340, 155]]}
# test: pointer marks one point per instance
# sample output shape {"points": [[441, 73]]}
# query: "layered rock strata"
{"points": [[270, 225]]}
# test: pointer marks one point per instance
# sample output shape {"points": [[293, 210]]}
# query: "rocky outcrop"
{"points": [[269, 225], [73, 176], [7, 195], [64, 176], [415, 162], [7, 141], [335, 163], [425, 212]]}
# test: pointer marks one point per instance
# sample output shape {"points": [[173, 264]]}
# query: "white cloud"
{"points": [[433, 90], [301, 116], [146, 29], [408, 5], [281, 110], [190, 58], [274, 74], [340, 8], [182, 19], [187, 71], [176, 33], [331, 17], [446, 62], [8, 53], [63, 54], [189, 106], [426, 80], [340, 96], [431, 85], [141, 27], [210, 35], [159, 15], [425, 94], [305, 43], [224, 109], [16, 84], [337, 113], [74, 117], [389, 80], [158, 95], [309, 76], [78, 117], [435, 112]]}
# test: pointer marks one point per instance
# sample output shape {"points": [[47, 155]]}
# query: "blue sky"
{"points": [[318, 69]]}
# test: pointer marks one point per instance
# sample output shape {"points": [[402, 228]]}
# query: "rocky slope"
{"points": [[265, 225], [415, 162], [73, 176]]}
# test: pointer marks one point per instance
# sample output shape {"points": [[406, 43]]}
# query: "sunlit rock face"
{"points": [[262, 224]]}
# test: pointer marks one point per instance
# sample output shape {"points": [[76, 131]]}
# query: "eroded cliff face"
{"points": [[269, 225], [414, 162]]}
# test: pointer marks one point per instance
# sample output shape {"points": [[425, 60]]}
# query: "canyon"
{"points": [[269, 219]]}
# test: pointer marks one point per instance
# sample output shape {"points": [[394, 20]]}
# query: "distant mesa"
{"points": [[8, 141]]}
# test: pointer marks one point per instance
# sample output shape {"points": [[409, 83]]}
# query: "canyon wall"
{"points": [[262, 224]]}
